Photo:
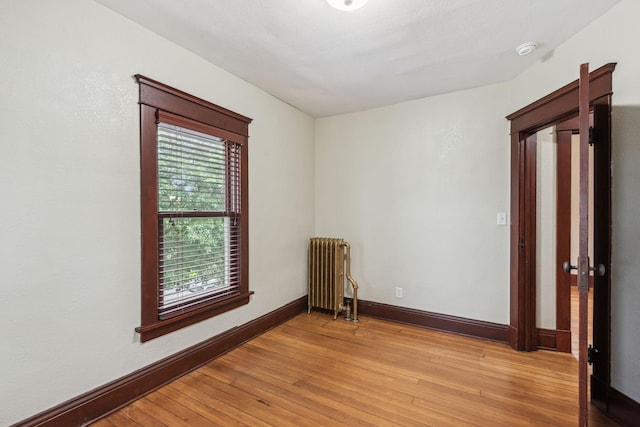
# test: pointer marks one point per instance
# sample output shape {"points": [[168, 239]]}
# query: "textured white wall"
{"points": [[607, 40], [70, 245], [415, 188]]}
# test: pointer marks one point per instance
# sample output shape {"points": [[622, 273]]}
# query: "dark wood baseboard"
{"points": [[614, 404], [546, 339], [563, 340], [623, 409], [103, 400], [512, 336], [554, 339], [440, 322]]}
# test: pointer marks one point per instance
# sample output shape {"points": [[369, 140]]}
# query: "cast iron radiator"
{"points": [[329, 266]]}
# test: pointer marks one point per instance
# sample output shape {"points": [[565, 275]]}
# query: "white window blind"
{"points": [[198, 219]]}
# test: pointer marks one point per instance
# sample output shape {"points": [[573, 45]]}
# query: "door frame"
{"points": [[554, 108]]}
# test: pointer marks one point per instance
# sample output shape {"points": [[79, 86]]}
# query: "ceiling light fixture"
{"points": [[526, 48], [347, 5]]}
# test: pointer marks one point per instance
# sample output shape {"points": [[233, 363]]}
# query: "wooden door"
{"points": [[602, 223], [600, 137], [594, 123], [602, 235], [583, 246]]}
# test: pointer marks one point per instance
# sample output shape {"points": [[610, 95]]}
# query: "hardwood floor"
{"points": [[313, 371]]}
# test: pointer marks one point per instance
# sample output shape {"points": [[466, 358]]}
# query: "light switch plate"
{"points": [[501, 218]]}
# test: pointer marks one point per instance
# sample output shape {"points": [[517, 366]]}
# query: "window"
{"points": [[194, 209]]}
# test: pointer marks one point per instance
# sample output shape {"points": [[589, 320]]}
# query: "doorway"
{"points": [[566, 219], [557, 234], [554, 109]]}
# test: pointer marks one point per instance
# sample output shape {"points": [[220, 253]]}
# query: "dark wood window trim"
{"points": [[158, 100]]}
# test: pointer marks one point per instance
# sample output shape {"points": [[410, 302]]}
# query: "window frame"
{"points": [[158, 100]]}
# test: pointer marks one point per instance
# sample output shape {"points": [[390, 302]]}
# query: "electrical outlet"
{"points": [[398, 292]]}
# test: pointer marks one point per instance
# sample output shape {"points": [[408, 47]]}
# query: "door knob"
{"points": [[598, 270]]}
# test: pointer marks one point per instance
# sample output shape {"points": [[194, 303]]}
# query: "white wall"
{"points": [[415, 188], [70, 240], [607, 40]]}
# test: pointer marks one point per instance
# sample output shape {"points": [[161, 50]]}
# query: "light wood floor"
{"points": [[313, 371]]}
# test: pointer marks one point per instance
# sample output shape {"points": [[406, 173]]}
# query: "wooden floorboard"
{"points": [[314, 371]]}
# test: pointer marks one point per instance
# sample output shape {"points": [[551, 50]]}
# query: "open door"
{"points": [[583, 247], [600, 353], [602, 234]]}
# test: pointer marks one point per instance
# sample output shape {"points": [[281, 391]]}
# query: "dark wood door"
{"points": [[601, 139], [583, 246]]}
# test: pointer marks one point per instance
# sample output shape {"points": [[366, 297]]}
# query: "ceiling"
{"points": [[326, 62]]}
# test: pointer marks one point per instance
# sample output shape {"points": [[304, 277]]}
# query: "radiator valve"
{"points": [[347, 311]]}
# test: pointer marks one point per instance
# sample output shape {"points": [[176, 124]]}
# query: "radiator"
{"points": [[329, 266]]}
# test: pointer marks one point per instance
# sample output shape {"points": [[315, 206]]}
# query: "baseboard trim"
{"points": [[563, 340], [554, 339], [623, 409], [440, 322], [103, 400], [512, 336], [546, 339]]}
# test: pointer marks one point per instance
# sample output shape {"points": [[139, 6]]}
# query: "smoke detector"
{"points": [[347, 5], [526, 48]]}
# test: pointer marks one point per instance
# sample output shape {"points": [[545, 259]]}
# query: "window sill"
{"points": [[162, 327]]}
